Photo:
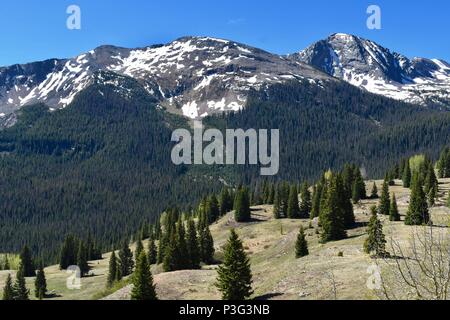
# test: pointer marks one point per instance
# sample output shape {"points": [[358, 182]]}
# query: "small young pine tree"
{"points": [[8, 290], [301, 246], [376, 242], [374, 193], [112, 270], [20, 290], [384, 205], [394, 215], [142, 279], [234, 279], [40, 284]]}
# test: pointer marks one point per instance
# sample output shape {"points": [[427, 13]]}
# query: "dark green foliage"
{"points": [[8, 290], [305, 201], [234, 279], [213, 210], [139, 249], [301, 246], [125, 260], [431, 185], [226, 202], [206, 246], [40, 284], [418, 208], [293, 210], [407, 175], [242, 205], [385, 200], [375, 243], [193, 247], [20, 290], [277, 206], [317, 195], [443, 164], [332, 216], [69, 251], [374, 192], [152, 251], [358, 187], [112, 270], [394, 215], [82, 259], [26, 263], [142, 279]]}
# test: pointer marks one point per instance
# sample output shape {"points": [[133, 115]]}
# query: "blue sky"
{"points": [[36, 30]]}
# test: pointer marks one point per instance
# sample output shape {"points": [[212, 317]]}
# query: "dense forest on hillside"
{"points": [[102, 166]]}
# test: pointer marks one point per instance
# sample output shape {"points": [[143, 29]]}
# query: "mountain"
{"points": [[193, 76], [368, 65]]}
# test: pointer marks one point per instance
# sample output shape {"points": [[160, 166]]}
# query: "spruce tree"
{"points": [[359, 187], [68, 254], [20, 290], [40, 284], [306, 203], [375, 243], [170, 261], [394, 215], [301, 246], [293, 211], [125, 260], [418, 208], [317, 194], [374, 193], [139, 249], [332, 216], [26, 261], [242, 206], [213, 210], [226, 202], [234, 279], [8, 290], [82, 262], [277, 212], [112, 270], [206, 246], [407, 175], [384, 205], [142, 279], [6, 266], [152, 252], [182, 259], [193, 245]]}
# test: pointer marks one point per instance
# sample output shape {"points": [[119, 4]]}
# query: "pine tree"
{"points": [[301, 246], [182, 259], [277, 212], [407, 175], [226, 202], [82, 262], [394, 215], [125, 260], [142, 279], [234, 279], [213, 210], [317, 194], [193, 245], [68, 255], [26, 261], [112, 270], [206, 246], [384, 205], [170, 261], [306, 204], [152, 252], [376, 242], [20, 290], [359, 188], [40, 284], [139, 249], [6, 266], [374, 193], [293, 211], [332, 216], [418, 208], [242, 206], [8, 290]]}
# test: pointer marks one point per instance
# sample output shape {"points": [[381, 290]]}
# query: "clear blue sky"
{"points": [[36, 30]]}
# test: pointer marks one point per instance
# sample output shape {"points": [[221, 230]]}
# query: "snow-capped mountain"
{"points": [[194, 76], [368, 65]]}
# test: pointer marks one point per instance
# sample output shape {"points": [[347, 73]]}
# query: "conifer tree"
{"points": [[376, 242], [293, 211], [170, 261], [68, 255], [213, 210], [305, 204], [317, 194], [6, 266], [234, 279], [242, 206], [182, 259], [226, 202], [82, 262], [359, 187], [418, 208], [301, 246], [374, 193], [112, 270], [139, 249], [152, 252], [26, 262], [20, 290], [332, 216], [394, 215], [407, 175], [206, 246], [125, 260], [277, 212], [142, 279], [40, 284], [193, 245], [8, 290], [384, 205]]}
